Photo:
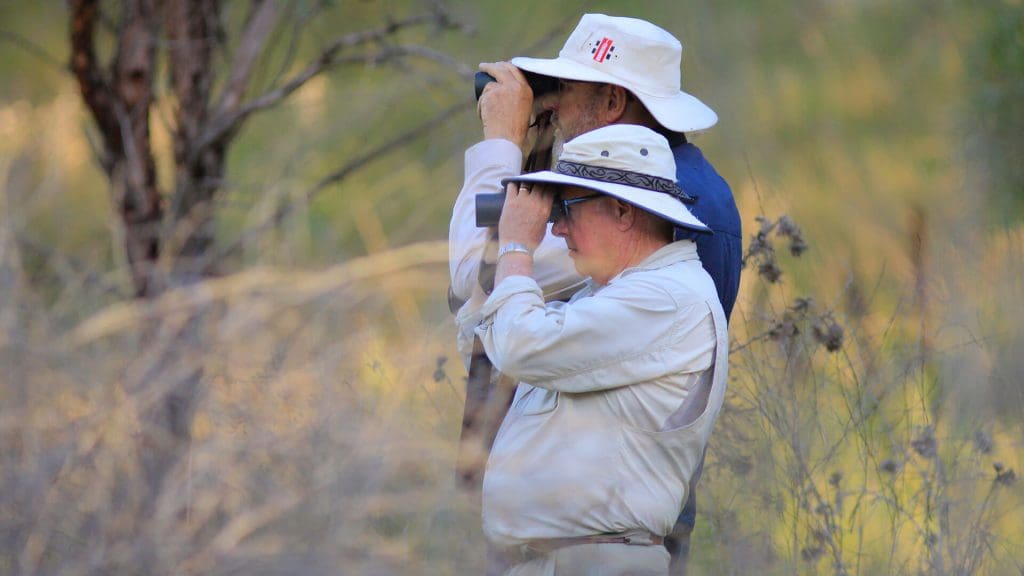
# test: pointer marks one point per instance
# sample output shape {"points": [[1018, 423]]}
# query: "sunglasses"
{"points": [[560, 207]]}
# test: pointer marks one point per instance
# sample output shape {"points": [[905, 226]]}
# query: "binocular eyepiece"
{"points": [[539, 83]]}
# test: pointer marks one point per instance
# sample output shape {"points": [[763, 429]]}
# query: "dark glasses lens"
{"points": [[560, 207]]}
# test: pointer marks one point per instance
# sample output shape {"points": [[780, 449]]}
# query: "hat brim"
{"points": [[657, 203], [679, 112]]}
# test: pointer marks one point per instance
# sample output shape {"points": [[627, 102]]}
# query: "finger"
{"points": [[515, 72], [495, 69], [503, 72], [545, 190]]}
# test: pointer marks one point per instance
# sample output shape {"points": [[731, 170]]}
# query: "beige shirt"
{"points": [[595, 441]]}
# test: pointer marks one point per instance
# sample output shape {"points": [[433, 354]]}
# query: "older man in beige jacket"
{"points": [[619, 388]]}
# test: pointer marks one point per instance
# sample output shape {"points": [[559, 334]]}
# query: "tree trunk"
{"points": [[119, 98], [120, 105], [199, 167], [170, 245]]}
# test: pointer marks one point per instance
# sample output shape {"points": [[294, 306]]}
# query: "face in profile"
{"points": [[584, 221]]}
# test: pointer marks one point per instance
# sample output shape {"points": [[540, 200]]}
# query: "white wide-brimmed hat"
{"points": [[634, 54], [630, 162]]}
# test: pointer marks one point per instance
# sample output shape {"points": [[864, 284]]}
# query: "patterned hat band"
{"points": [[625, 177]]}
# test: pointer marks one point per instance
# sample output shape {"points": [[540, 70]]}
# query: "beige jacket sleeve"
{"points": [[486, 164], [618, 336]]}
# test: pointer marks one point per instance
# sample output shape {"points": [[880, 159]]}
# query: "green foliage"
{"points": [[996, 76]]}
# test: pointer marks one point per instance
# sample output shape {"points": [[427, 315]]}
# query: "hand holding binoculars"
{"points": [[488, 206]]}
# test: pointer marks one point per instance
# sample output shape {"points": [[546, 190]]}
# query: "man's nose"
{"points": [[559, 228]]}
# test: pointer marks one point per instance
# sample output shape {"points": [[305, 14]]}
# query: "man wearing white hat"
{"points": [[614, 70], [620, 387]]}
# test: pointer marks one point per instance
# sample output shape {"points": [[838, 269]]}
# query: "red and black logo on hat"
{"points": [[603, 49]]}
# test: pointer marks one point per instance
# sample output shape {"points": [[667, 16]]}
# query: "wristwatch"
{"points": [[513, 247]]}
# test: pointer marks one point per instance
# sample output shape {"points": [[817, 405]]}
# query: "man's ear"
{"points": [[616, 101], [625, 214]]}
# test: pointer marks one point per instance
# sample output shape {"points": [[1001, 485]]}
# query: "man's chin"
{"points": [[581, 265]]}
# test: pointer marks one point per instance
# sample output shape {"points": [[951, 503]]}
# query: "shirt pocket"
{"points": [[534, 401]]}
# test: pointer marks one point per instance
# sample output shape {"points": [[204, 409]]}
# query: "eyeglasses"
{"points": [[566, 85], [561, 205]]}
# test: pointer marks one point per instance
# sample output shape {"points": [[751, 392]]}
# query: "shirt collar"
{"points": [[671, 253]]}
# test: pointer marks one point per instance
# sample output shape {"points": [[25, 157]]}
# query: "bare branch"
{"points": [[396, 143], [94, 86], [68, 268], [260, 23], [136, 195], [189, 54], [299, 287], [293, 42], [429, 53], [226, 124], [32, 48]]}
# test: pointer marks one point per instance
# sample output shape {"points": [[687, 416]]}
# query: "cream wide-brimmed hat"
{"points": [[632, 163], [634, 54]]}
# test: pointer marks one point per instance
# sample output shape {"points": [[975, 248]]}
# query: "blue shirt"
{"points": [[721, 253]]}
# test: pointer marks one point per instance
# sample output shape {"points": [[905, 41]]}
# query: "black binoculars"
{"points": [[539, 83], [488, 210]]}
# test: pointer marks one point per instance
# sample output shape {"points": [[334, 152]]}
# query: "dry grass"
{"points": [[323, 441]]}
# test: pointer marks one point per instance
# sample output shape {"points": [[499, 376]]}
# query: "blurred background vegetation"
{"points": [[873, 423]]}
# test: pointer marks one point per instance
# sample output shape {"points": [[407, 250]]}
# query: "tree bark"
{"points": [[199, 169], [119, 97], [120, 103]]}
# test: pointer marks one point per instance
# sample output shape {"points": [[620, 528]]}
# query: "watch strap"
{"points": [[511, 247]]}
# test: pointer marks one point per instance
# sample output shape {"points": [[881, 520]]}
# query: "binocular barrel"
{"points": [[538, 83], [488, 209]]}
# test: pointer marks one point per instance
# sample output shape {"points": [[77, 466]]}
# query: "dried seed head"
{"points": [[740, 464], [439, 369], [760, 248], [787, 227], [812, 553], [1004, 476], [802, 305], [982, 442], [925, 444], [785, 329], [826, 331], [797, 246], [770, 271]]}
